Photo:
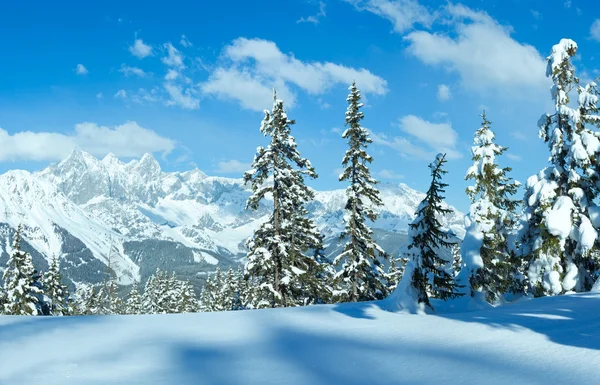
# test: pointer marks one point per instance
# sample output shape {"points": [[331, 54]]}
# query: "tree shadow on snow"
{"points": [[292, 356], [357, 309], [571, 320]]}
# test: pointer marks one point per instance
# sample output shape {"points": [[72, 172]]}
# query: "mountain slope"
{"points": [[86, 210]]}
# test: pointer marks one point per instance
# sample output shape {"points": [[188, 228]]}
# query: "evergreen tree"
{"points": [[151, 294], [429, 272], [361, 276], [456, 259], [134, 303], [489, 269], [393, 275], [21, 282], [240, 299], [559, 233], [207, 295], [229, 290], [55, 291], [279, 254], [188, 302]]}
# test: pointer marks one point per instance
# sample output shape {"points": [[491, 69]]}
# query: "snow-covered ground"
{"points": [[541, 341]]}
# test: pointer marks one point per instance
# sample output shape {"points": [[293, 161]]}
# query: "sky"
{"points": [[189, 81]]}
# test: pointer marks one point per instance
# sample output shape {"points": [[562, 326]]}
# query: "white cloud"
{"points": [[252, 92], [126, 140], [142, 96], [483, 53], [431, 138], [171, 75], [568, 4], [121, 94], [314, 19], [184, 98], [260, 65], [174, 58], [443, 93], [595, 30], [403, 146], [81, 70], [403, 14], [513, 157], [185, 42], [99, 95], [132, 71], [140, 49], [232, 166], [336, 130], [389, 174]]}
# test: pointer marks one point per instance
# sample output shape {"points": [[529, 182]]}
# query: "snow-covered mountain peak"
{"points": [[111, 160]]}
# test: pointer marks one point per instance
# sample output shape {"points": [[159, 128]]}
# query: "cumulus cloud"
{"points": [[403, 14], [171, 75], [132, 71], [140, 49], [232, 166], [249, 90], [425, 139], [184, 98], [81, 70], [255, 66], [126, 140], [121, 94], [443, 93], [174, 57], [483, 53]]}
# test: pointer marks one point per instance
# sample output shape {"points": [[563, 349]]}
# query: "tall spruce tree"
{"points": [[21, 282], [55, 291], [133, 304], [393, 275], [489, 268], [560, 230], [361, 276], [282, 249], [430, 273], [188, 303]]}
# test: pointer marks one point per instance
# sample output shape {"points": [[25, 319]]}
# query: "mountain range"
{"points": [[127, 219]]}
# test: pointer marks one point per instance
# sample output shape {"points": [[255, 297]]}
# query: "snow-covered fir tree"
{"points": [[456, 258], [429, 272], [207, 295], [242, 295], [361, 276], [133, 304], [21, 282], [281, 251], [151, 293], [54, 290], [188, 303], [393, 275], [489, 269], [560, 227]]}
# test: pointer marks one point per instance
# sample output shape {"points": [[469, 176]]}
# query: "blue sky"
{"points": [[187, 81]]}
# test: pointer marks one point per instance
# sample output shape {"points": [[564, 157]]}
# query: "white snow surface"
{"points": [[551, 340]]}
